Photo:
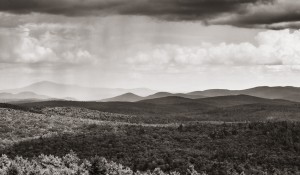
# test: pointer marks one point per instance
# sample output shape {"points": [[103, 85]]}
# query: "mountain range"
{"points": [[28, 96], [278, 92], [46, 90], [67, 91], [130, 97], [174, 108]]}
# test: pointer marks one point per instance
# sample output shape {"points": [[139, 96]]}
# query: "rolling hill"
{"points": [[167, 94], [128, 108], [218, 101], [173, 108], [214, 92], [232, 108], [234, 100], [169, 100]]}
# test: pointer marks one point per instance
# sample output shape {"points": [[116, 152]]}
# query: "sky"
{"points": [[168, 45]]}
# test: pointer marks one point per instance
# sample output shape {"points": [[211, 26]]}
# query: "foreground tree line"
{"points": [[250, 148], [70, 164]]}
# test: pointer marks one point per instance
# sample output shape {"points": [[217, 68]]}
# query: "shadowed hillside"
{"points": [[277, 92], [233, 100], [169, 100], [219, 101], [174, 109]]}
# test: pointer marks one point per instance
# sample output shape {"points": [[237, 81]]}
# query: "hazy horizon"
{"points": [[166, 45], [158, 90]]}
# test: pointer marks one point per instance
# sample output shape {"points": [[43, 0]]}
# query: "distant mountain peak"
{"points": [[162, 93], [48, 83], [26, 93], [129, 93], [42, 82], [127, 97]]}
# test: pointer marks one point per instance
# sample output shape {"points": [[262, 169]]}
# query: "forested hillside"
{"points": [[71, 164], [250, 138], [214, 148], [238, 108]]}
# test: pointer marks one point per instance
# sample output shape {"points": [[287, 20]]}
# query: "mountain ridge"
{"points": [[61, 91], [270, 92], [277, 92], [58, 90], [130, 97], [8, 97], [218, 101]]}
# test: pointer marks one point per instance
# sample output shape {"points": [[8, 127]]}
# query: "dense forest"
{"points": [[214, 149], [71, 164], [157, 143], [174, 111]]}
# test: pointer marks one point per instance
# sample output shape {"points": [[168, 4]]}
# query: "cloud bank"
{"points": [[48, 43], [43, 43], [147, 53], [278, 14], [273, 14], [272, 48]]}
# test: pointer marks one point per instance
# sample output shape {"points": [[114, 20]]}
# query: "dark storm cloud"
{"points": [[279, 26], [271, 19], [177, 9], [188, 9], [245, 13], [60, 7]]}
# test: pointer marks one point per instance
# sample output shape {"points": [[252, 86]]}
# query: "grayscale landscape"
{"points": [[149, 87]]}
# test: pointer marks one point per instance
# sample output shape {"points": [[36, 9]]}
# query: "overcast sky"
{"points": [[170, 45]]}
